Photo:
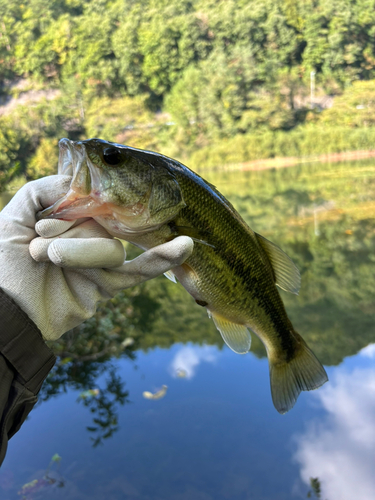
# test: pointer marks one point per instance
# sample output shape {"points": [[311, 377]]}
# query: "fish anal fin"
{"points": [[303, 372], [170, 275], [237, 337], [285, 271]]}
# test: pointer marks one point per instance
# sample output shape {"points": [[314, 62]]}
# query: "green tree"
{"points": [[12, 149], [90, 57], [354, 108]]}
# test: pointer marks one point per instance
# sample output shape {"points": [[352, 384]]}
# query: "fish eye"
{"points": [[112, 156]]}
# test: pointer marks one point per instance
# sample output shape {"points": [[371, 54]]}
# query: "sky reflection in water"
{"points": [[340, 447], [215, 435]]}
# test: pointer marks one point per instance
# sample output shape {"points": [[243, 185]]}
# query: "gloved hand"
{"points": [[59, 278]]}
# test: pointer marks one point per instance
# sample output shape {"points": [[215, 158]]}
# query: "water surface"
{"points": [[215, 434]]}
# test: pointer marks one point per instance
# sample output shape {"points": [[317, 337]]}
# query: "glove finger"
{"points": [[86, 253], [148, 265], [80, 228], [158, 260], [38, 249], [35, 196], [48, 228], [88, 229], [47, 190]]}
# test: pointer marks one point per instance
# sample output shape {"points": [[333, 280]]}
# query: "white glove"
{"points": [[59, 281]]}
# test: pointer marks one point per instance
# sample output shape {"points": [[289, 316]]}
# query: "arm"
{"points": [[25, 362]]}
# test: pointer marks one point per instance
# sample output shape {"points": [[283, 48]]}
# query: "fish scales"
{"points": [[149, 199], [234, 267]]}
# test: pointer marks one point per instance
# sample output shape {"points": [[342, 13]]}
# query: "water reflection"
{"points": [[101, 390], [217, 437], [336, 299], [339, 448], [50, 480]]}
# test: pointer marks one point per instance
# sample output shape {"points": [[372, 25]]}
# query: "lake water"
{"points": [[214, 434]]}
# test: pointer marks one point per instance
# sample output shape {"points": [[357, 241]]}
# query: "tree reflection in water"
{"points": [[85, 354], [105, 399], [334, 311], [132, 320]]}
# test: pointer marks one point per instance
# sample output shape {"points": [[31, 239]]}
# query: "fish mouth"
{"points": [[87, 197], [66, 155], [90, 195], [83, 198]]}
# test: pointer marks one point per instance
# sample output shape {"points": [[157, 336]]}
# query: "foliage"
{"points": [[222, 97], [213, 83], [355, 108], [123, 120], [11, 150], [315, 488], [220, 82], [306, 140], [145, 45], [44, 161]]}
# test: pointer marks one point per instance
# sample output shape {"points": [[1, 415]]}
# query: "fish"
{"points": [[147, 199]]}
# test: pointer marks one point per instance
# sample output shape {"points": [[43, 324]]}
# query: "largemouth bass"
{"points": [[147, 199]]}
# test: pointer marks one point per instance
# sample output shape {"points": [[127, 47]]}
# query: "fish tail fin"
{"points": [[303, 372]]}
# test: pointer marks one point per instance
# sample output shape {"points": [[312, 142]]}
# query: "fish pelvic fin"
{"points": [[237, 337], [303, 372]]}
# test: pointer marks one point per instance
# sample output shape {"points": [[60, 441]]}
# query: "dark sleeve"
{"points": [[25, 361]]}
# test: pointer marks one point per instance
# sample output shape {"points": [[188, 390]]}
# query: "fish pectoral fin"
{"points": [[237, 337], [195, 234], [170, 275], [286, 273]]}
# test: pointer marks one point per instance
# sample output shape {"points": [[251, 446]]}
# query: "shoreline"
{"points": [[285, 162]]}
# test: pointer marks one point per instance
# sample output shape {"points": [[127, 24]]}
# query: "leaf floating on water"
{"points": [[56, 458], [89, 393], [38, 487], [180, 373], [157, 395], [127, 342]]}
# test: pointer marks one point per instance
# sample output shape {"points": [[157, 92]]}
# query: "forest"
{"points": [[207, 82], [210, 83]]}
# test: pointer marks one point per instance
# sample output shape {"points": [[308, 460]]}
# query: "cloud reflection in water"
{"points": [[188, 358], [340, 448]]}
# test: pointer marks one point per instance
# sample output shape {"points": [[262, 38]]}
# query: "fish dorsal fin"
{"points": [[286, 272], [236, 336], [170, 275]]}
